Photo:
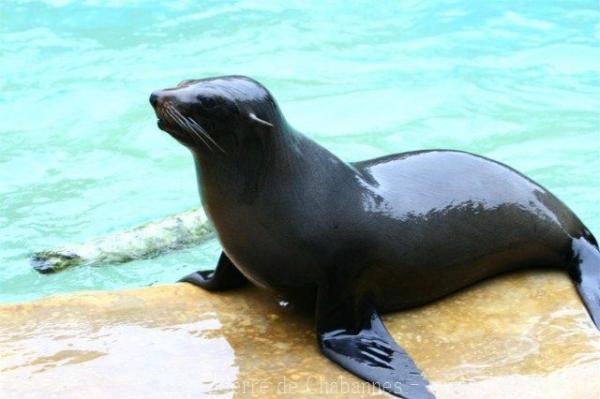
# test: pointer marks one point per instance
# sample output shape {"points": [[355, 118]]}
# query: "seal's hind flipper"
{"points": [[226, 276], [359, 342], [586, 273]]}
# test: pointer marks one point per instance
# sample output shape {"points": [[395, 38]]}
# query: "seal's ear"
{"points": [[256, 119]]}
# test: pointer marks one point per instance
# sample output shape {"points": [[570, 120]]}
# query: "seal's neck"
{"points": [[283, 160]]}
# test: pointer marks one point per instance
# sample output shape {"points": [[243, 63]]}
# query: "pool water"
{"points": [[81, 156]]}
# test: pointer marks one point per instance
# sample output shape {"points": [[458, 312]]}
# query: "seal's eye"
{"points": [[206, 102]]}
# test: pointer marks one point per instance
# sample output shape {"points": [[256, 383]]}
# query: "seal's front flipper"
{"points": [[586, 273], [357, 340], [226, 276]]}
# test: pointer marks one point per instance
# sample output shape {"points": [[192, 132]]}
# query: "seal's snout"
{"points": [[153, 99], [160, 104], [164, 97], [158, 97]]}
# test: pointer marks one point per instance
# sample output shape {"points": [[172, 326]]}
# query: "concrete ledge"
{"points": [[520, 336]]}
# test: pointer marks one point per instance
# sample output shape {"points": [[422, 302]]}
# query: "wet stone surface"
{"points": [[524, 335]]}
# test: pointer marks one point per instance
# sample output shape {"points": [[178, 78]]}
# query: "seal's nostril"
{"points": [[153, 99]]}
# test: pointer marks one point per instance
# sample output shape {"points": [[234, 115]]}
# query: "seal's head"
{"points": [[216, 114]]}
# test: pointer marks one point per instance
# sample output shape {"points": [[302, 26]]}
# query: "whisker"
{"points": [[191, 126], [205, 134], [178, 118]]}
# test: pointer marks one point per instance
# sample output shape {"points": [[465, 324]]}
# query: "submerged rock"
{"points": [[145, 241]]}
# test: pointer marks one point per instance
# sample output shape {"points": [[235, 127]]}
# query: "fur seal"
{"points": [[357, 239]]}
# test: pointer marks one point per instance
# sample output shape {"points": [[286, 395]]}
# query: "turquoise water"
{"points": [[81, 157]]}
